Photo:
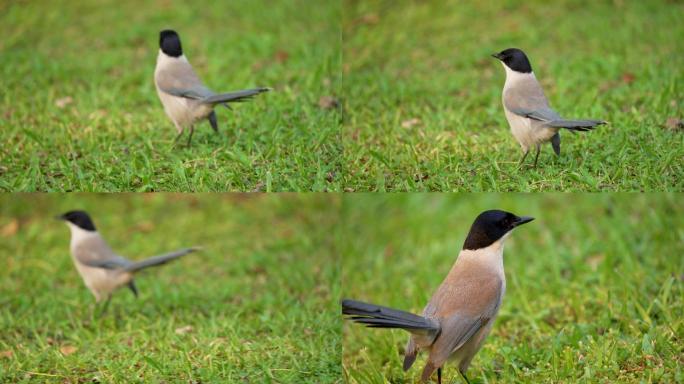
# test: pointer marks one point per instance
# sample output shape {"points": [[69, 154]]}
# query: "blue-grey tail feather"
{"points": [[555, 143], [376, 316], [159, 260], [575, 125], [232, 97], [133, 288], [213, 121]]}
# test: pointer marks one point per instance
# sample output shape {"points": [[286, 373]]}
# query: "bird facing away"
{"points": [[103, 271], [527, 110], [461, 312], [186, 100]]}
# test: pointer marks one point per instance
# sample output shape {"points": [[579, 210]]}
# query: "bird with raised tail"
{"points": [[460, 314], [103, 271], [185, 98], [527, 110]]}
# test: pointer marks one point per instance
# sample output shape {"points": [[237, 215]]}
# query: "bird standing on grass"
{"points": [[103, 271], [527, 110], [186, 100], [460, 314]]}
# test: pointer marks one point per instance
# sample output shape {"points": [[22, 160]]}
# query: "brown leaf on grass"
{"points": [[410, 122], [281, 56], [63, 101], [628, 78], [674, 123], [10, 229], [67, 349], [368, 19], [184, 330], [327, 102], [259, 187], [595, 260], [145, 226], [98, 114], [7, 354]]}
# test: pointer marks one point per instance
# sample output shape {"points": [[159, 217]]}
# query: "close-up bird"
{"points": [[104, 271], [460, 314], [527, 110], [185, 98]]}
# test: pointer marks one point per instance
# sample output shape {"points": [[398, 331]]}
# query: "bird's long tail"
{"points": [[159, 260], [233, 97], [376, 316], [575, 125]]}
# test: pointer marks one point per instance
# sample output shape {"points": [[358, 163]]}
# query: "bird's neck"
{"points": [[79, 235], [164, 59], [490, 257], [513, 77]]}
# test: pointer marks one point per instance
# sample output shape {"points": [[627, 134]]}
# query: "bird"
{"points": [[527, 110], [461, 312], [103, 271], [185, 98]]}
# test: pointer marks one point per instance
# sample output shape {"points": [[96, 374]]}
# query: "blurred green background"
{"points": [[594, 284], [422, 94], [261, 299], [79, 111]]}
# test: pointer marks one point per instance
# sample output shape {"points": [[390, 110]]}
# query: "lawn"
{"points": [[258, 305], [79, 111], [422, 95], [594, 285]]}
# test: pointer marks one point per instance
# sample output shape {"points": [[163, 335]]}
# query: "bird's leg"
{"points": [[464, 377], [522, 160], [439, 375], [106, 306], [175, 141], [537, 156], [192, 130]]}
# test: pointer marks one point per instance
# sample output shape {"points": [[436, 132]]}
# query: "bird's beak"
{"points": [[59, 217], [522, 220], [496, 56]]}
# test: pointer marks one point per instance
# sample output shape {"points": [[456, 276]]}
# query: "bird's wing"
{"points": [[96, 253], [458, 329], [179, 79], [464, 306], [526, 98]]}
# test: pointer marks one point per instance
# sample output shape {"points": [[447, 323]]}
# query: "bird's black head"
{"points": [[514, 59], [79, 219], [169, 43], [491, 226]]}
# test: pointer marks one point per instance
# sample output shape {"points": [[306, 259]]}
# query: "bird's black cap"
{"points": [[169, 43], [79, 219], [514, 59], [491, 226]]}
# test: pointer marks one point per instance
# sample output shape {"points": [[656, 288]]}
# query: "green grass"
{"points": [[114, 135], [430, 61], [261, 298], [594, 285]]}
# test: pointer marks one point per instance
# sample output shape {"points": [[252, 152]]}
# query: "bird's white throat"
{"points": [[163, 58], [79, 234], [490, 256], [515, 76]]}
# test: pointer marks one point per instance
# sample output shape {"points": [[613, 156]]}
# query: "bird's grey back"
{"points": [[177, 75], [526, 97], [93, 251]]}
